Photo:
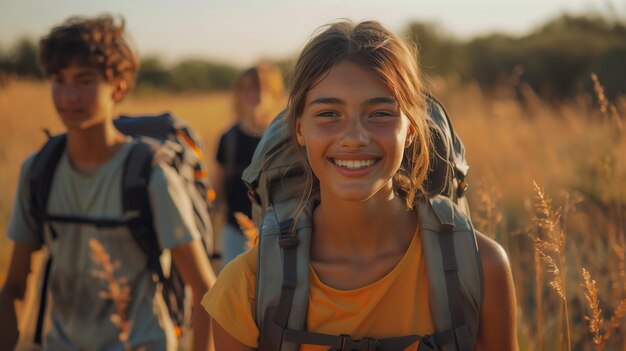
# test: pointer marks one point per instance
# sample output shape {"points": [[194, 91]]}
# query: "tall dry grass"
{"points": [[117, 289], [575, 151]]}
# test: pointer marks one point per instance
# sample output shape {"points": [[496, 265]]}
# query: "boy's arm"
{"points": [[13, 290], [193, 264]]}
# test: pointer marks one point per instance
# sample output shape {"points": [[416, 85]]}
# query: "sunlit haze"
{"points": [[242, 31]]}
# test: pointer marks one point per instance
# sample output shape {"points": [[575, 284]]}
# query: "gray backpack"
{"points": [[448, 241]]}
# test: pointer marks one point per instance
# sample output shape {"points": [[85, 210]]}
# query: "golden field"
{"points": [[575, 151]]}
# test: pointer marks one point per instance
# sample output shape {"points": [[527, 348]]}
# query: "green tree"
{"points": [[194, 74], [439, 52], [153, 73], [23, 59]]}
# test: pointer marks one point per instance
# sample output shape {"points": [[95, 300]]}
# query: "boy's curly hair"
{"points": [[91, 41]]}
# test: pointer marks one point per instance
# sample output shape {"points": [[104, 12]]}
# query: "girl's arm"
{"points": [[498, 324], [225, 341]]}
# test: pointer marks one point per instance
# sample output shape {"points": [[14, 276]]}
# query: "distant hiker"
{"points": [[359, 248], [258, 97], [94, 182]]}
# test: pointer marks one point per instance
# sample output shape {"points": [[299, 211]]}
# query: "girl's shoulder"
{"points": [[494, 258], [230, 301], [243, 266], [498, 312], [236, 281]]}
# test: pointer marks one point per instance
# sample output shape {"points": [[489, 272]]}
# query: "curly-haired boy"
{"points": [[91, 68]]}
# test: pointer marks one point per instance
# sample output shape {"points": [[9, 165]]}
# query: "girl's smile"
{"points": [[355, 165]]}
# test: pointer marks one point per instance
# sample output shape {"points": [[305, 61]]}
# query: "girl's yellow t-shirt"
{"points": [[395, 305]]}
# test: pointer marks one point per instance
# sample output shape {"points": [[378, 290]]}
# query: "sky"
{"points": [[241, 32]]}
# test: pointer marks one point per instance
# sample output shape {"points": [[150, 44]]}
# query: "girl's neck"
{"points": [[362, 228], [90, 148]]}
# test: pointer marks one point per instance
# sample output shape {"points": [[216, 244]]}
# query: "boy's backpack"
{"points": [[159, 138], [448, 242]]}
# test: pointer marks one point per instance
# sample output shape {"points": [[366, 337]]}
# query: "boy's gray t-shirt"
{"points": [[80, 315]]}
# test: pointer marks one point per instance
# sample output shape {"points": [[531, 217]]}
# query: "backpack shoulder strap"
{"points": [[136, 202], [454, 273], [282, 299], [40, 177], [138, 169]]}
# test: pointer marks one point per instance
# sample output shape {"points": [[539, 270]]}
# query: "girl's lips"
{"points": [[354, 166]]}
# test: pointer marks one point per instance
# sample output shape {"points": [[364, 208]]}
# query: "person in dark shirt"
{"points": [[258, 97]]}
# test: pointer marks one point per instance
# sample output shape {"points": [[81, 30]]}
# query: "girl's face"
{"points": [[354, 133]]}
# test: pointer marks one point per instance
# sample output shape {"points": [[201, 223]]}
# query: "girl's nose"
{"points": [[355, 134]]}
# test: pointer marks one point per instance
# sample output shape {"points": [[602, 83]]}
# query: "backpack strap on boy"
{"points": [[138, 169], [136, 201], [40, 177]]}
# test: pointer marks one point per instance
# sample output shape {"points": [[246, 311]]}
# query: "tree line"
{"points": [[556, 59]]}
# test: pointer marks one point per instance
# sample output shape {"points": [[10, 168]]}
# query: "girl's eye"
{"points": [[382, 114], [327, 114]]}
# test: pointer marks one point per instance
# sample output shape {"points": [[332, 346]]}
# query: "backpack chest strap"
{"points": [[100, 222], [347, 343]]}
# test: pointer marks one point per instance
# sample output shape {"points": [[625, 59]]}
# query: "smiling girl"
{"points": [[357, 108]]}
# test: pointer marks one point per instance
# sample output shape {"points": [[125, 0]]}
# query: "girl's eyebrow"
{"points": [[381, 100], [372, 101], [327, 101]]}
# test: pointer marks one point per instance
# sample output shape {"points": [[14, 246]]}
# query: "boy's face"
{"points": [[82, 97]]}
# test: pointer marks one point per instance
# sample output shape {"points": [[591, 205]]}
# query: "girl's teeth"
{"points": [[354, 163]]}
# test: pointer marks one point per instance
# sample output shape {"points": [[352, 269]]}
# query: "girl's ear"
{"points": [[410, 136], [299, 136], [120, 89]]}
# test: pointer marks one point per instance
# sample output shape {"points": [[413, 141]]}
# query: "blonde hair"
{"points": [[266, 78], [372, 46]]}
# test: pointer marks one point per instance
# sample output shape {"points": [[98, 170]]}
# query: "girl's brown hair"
{"points": [[372, 46], [95, 42]]}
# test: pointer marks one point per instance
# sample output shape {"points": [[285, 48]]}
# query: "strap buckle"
{"points": [[349, 344], [427, 343]]}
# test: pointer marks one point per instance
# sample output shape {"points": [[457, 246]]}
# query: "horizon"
{"points": [[243, 33]]}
